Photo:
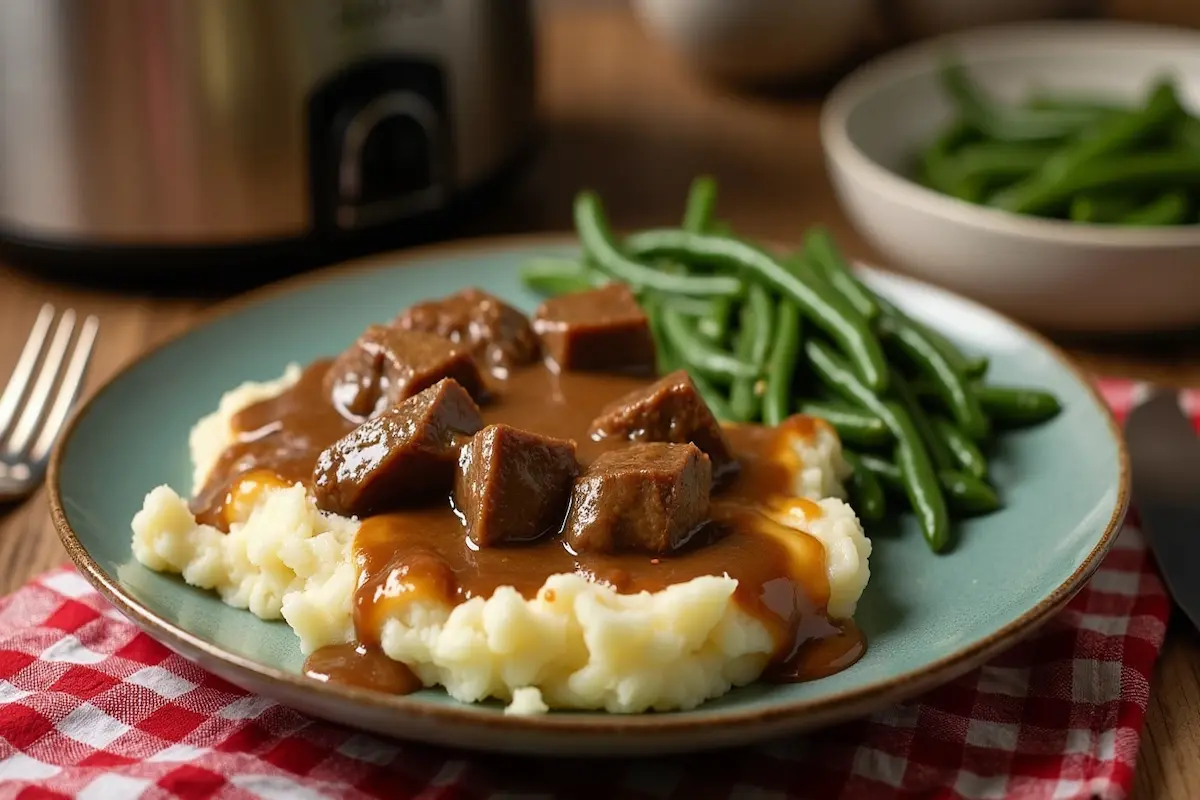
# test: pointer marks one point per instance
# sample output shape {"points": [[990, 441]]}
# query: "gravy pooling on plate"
{"points": [[474, 463]]}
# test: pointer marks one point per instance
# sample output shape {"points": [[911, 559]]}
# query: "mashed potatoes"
{"points": [[577, 644]]}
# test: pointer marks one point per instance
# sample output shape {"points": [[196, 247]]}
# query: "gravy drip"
{"points": [[425, 554]]}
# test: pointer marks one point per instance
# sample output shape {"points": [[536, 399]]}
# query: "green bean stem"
{"points": [[831, 313], [701, 202]]}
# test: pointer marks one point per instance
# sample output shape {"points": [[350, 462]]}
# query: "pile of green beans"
{"points": [[1073, 158], [765, 337]]}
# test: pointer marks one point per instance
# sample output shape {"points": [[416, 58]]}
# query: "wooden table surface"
{"points": [[625, 118]]}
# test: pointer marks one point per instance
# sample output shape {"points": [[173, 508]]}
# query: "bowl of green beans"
{"points": [[1050, 170]]}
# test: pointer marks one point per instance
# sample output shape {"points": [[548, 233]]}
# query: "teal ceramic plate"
{"points": [[927, 618]]}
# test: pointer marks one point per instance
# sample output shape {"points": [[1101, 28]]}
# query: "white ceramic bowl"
{"points": [[1054, 274]]}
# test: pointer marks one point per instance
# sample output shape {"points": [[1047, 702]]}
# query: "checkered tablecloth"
{"points": [[91, 708]]}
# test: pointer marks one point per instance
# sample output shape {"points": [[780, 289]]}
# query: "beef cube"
{"points": [[498, 336], [513, 485], [385, 366], [404, 456], [668, 410], [649, 497], [604, 330]]}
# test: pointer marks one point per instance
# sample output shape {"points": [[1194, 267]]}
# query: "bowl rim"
{"points": [[246, 671], [976, 46]]}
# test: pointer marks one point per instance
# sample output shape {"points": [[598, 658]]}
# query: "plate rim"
{"points": [[841, 705]]}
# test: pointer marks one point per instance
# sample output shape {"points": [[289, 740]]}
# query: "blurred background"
{"points": [[223, 143]]}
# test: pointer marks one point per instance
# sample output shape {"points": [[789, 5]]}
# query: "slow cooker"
{"points": [[164, 132]]}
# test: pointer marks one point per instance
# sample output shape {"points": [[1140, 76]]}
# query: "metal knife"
{"points": [[1164, 453]]}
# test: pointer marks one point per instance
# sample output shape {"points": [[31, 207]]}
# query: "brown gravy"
{"points": [[425, 551], [362, 666]]}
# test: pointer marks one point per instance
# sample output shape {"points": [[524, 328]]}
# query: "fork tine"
{"points": [[35, 405], [68, 392], [15, 391]]}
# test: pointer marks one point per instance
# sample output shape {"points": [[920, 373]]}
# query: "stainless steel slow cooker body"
{"points": [[182, 124]]}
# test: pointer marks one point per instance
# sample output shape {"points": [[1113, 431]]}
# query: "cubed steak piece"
{"points": [[497, 335], [404, 456], [513, 485], [385, 366], [602, 330], [668, 410], [649, 497]]}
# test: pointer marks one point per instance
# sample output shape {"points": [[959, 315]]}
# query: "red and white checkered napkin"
{"points": [[91, 708]]}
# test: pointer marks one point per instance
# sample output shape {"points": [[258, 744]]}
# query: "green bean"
{"points": [[931, 361], [831, 313], [1081, 165], [721, 227], [781, 364], [1010, 124], [976, 367], [743, 402], [712, 396], [701, 307], [1169, 208], [853, 425], [698, 353], [968, 494], [920, 479], [1187, 133], [1098, 105], [665, 360], [939, 451], [1131, 171], [714, 325], [1100, 207], [553, 276], [602, 250], [820, 250], [887, 473], [1113, 134], [965, 451], [701, 201], [924, 493], [754, 346], [968, 366], [935, 159], [989, 163], [867, 494], [1012, 406]]}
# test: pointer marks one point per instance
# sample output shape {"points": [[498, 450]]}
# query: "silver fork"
{"points": [[31, 419]]}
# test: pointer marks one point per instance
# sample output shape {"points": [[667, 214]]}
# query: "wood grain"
{"points": [[622, 115]]}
